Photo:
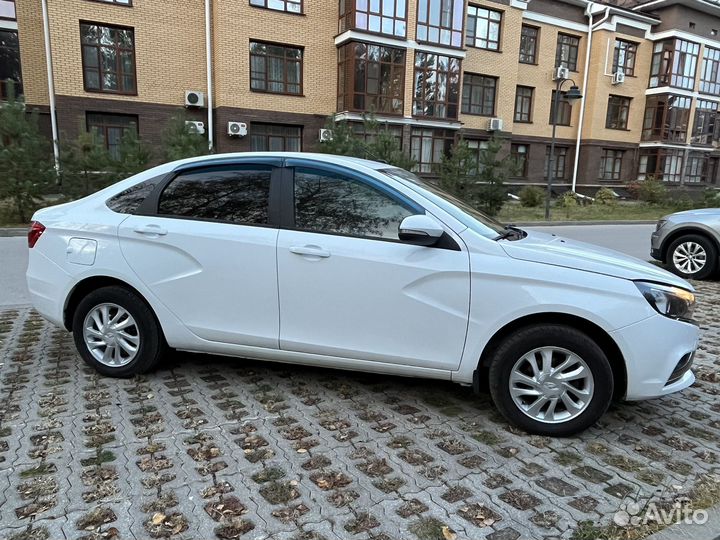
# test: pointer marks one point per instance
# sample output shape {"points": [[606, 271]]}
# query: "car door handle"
{"points": [[150, 229], [311, 251]]}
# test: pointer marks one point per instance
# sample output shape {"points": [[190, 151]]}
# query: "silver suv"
{"points": [[688, 243]]}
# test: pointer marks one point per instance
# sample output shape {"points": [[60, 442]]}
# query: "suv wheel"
{"points": [[116, 332], [551, 380], [692, 256]]}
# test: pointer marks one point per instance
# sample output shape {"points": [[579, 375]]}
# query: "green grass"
{"points": [[513, 212]]}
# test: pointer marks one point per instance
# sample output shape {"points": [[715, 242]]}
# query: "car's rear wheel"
{"points": [[116, 332], [551, 380], [692, 256]]}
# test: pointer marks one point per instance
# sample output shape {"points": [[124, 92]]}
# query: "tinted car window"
{"points": [[128, 201], [332, 203], [237, 194]]}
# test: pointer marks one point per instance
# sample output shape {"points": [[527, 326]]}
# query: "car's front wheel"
{"points": [[116, 332], [692, 257], [551, 380]]}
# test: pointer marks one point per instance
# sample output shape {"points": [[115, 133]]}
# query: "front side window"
{"points": [[437, 85], [519, 154], [710, 75], [108, 58], [564, 113], [483, 28], [291, 6], [611, 164], [237, 194], [523, 103], [664, 164], [666, 118], [371, 78], [276, 69], [705, 128], [275, 138], [624, 57], [10, 73], [529, 36], [377, 16], [327, 202], [440, 22], [111, 128], [560, 158], [674, 63], [566, 53], [479, 94], [618, 110], [428, 146]]}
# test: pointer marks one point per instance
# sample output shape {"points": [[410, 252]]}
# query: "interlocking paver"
{"points": [[212, 447]]}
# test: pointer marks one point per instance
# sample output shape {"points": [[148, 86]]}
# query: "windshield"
{"points": [[467, 215]]}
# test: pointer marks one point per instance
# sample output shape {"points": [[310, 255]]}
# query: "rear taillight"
{"points": [[34, 233]]}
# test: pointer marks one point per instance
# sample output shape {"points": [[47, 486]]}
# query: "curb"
{"points": [[13, 231], [599, 222]]}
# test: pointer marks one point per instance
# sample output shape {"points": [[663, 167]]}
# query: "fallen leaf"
{"points": [[302, 451], [448, 533], [158, 518]]}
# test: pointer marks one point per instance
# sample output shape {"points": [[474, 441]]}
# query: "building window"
{"points": [[111, 128], [710, 75], [529, 36], [441, 22], [359, 130], [618, 110], [477, 147], [437, 85], [108, 58], [519, 154], [291, 6], [523, 103], [371, 78], [276, 69], [624, 57], [483, 28], [701, 168], [10, 73], [666, 118], [428, 146], [7, 10], [479, 94], [275, 138], [378, 16], [120, 2], [566, 53], [564, 110], [661, 164], [611, 164], [705, 127], [674, 63], [560, 158]]}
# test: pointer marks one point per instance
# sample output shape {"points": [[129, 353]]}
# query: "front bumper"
{"points": [[656, 352], [655, 245]]}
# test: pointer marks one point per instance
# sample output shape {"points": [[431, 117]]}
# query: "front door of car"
{"points": [[349, 287], [209, 252]]}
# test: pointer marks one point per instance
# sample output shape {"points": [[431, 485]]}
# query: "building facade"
{"points": [[433, 70]]}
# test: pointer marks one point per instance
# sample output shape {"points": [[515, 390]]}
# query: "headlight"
{"points": [[660, 224], [670, 301]]}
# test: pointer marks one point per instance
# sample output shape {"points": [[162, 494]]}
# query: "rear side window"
{"points": [[128, 201], [327, 202], [237, 194]]}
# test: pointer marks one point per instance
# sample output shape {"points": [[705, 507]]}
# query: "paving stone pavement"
{"points": [[210, 447]]}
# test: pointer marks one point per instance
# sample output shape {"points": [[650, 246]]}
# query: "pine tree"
{"points": [[85, 165], [134, 155], [26, 168], [180, 142]]}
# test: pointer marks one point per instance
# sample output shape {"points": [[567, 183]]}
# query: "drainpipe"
{"points": [[591, 29], [51, 85], [208, 57]]}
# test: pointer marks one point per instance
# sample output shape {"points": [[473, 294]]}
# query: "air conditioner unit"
{"points": [[236, 129], [618, 77], [194, 98], [326, 135], [195, 127], [561, 73], [495, 124]]}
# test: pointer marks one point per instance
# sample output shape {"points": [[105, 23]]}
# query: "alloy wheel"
{"points": [[689, 257], [111, 335]]}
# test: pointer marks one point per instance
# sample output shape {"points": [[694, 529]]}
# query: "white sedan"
{"points": [[346, 263]]}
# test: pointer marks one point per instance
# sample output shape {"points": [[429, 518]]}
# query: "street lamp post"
{"points": [[571, 96]]}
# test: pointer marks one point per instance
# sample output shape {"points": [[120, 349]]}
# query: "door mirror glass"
{"points": [[421, 230]]}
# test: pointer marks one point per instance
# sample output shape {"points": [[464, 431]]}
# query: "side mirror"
{"points": [[420, 230]]}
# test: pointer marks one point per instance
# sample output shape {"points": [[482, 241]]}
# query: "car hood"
{"points": [[558, 251], [697, 212]]}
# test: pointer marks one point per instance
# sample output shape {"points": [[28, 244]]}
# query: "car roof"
{"points": [[327, 158]]}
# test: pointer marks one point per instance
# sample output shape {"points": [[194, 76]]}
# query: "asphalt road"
{"points": [[631, 239]]}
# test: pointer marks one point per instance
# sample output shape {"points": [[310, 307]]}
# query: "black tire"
{"points": [[152, 342], [710, 251], [522, 341]]}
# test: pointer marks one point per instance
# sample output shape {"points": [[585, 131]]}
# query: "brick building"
{"points": [[434, 70]]}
